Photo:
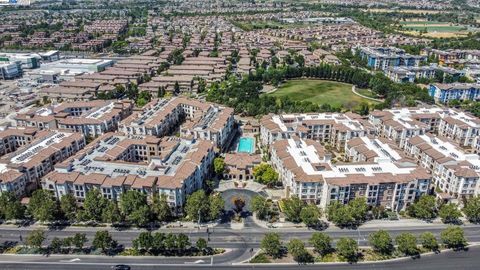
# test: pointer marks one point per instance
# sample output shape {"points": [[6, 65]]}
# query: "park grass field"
{"points": [[320, 92], [434, 29]]}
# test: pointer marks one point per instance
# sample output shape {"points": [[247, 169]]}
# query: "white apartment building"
{"points": [[201, 120], [92, 118], [332, 128], [306, 172], [21, 170], [454, 172], [115, 163]]}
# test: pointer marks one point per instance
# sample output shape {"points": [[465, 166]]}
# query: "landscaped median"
{"points": [[382, 247], [146, 244]]}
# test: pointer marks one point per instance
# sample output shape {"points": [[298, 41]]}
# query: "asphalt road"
{"points": [[461, 260]]}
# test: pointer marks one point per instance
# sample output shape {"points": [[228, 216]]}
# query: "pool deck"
{"points": [[254, 142]]}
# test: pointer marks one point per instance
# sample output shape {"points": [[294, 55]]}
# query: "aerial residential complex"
{"points": [[384, 58], [307, 172], [32, 155], [457, 91], [115, 163], [191, 118]]}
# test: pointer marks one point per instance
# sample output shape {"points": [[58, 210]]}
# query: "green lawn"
{"points": [[318, 91]]}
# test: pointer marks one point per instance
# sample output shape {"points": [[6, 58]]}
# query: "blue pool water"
{"points": [[246, 145]]}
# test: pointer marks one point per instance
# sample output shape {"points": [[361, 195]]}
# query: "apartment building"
{"points": [[10, 70], [364, 149], [13, 138], [307, 172], [383, 58], [331, 128], [92, 118], [115, 163], [21, 170], [454, 172], [456, 91], [399, 124], [239, 166], [199, 120]]}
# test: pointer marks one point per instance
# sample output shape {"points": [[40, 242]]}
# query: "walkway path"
{"points": [[354, 90]]}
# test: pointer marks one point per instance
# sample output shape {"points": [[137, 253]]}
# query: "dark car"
{"points": [[121, 267]]}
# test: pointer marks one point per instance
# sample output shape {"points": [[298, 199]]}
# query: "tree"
{"points": [[429, 241], [453, 237], [104, 241], [424, 208], [339, 214], [265, 174], [449, 213], [292, 209], [182, 242], [134, 206], [297, 248], [79, 240], [216, 206], [68, 205], [271, 245], [472, 209], [56, 245], [176, 88], [407, 244], [347, 248], [42, 206], [35, 238], [201, 244], [219, 165], [310, 215], [260, 206], [358, 208], [143, 241], [322, 243], [10, 206], [161, 208], [158, 241], [196, 206], [381, 242], [94, 204], [111, 213]]}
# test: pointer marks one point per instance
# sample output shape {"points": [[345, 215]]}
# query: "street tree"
{"points": [[381, 242], [79, 240], [358, 209], [472, 209], [161, 208], [104, 241], [347, 248], [407, 244], [68, 205], [292, 209], [94, 204], [322, 243], [201, 244], [449, 213], [260, 206], [42, 206], [197, 205], [425, 208], [134, 206], [10, 207], [216, 206], [297, 249], [170, 242], [271, 245], [143, 241], [340, 214], [429, 241], [56, 245], [158, 241], [182, 242], [310, 215], [453, 237], [36, 238], [111, 213]]}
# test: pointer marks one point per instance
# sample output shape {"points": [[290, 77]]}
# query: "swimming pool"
{"points": [[246, 145]]}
